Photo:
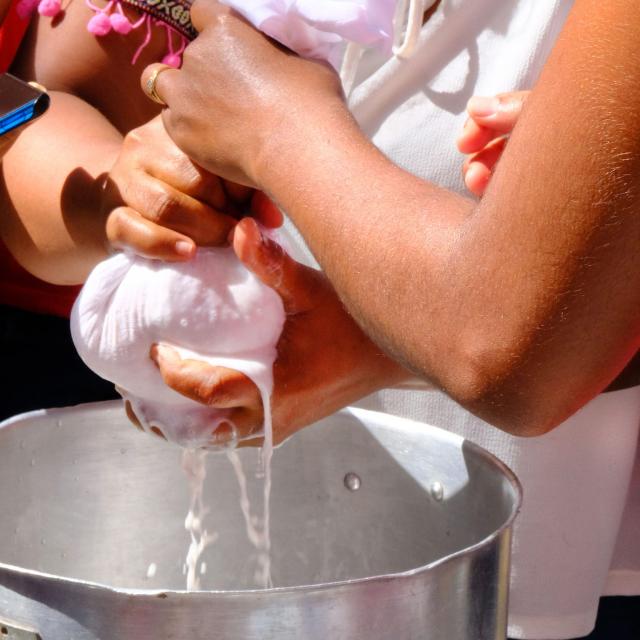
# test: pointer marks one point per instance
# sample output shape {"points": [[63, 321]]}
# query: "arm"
{"points": [[52, 180], [74, 183], [73, 194], [523, 306]]}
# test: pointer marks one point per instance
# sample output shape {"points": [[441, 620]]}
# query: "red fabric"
{"points": [[12, 31], [18, 288]]}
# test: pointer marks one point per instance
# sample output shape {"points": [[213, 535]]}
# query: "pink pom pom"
{"points": [[99, 25], [173, 60], [25, 8], [49, 8], [120, 23]]}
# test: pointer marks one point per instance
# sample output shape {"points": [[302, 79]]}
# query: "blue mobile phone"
{"points": [[20, 102]]}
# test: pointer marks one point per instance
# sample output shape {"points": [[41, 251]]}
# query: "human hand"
{"points": [[236, 91], [160, 204], [485, 135], [324, 360]]}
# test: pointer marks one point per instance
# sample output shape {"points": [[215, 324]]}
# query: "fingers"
{"points": [[251, 442], [165, 207], [478, 168], [265, 211], [501, 112], [127, 229], [239, 193], [204, 12], [156, 82], [474, 137], [489, 118], [217, 387], [186, 177], [269, 262]]}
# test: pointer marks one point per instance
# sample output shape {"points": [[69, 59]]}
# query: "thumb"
{"points": [[272, 265], [499, 113]]}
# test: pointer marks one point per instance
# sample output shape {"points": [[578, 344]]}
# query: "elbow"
{"points": [[494, 380]]}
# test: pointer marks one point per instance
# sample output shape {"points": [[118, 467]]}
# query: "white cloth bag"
{"points": [[210, 309]]}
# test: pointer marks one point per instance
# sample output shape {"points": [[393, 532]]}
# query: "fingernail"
{"points": [[184, 248], [483, 107]]}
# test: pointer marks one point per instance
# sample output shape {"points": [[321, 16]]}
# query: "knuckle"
{"points": [[133, 139], [163, 206], [118, 223], [216, 389], [195, 181]]}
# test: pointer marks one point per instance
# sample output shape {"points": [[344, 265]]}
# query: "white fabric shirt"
{"points": [[576, 478]]}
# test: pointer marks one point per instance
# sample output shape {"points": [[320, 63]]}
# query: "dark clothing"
{"points": [[39, 366]]}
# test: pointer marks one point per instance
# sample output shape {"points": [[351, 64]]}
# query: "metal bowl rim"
{"points": [[442, 434]]}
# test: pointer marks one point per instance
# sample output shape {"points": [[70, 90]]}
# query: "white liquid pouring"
{"points": [[210, 309], [258, 529]]}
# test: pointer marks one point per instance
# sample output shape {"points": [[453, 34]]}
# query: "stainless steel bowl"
{"points": [[381, 528]]}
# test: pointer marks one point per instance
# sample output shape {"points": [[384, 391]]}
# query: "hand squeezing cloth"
{"points": [[211, 308]]}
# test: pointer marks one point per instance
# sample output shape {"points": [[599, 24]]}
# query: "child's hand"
{"points": [[485, 135], [160, 204]]}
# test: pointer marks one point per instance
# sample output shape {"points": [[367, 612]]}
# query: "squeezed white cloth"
{"points": [[210, 309], [320, 28], [338, 30]]}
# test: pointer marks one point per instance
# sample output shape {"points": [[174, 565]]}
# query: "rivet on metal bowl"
{"points": [[437, 491], [352, 481]]}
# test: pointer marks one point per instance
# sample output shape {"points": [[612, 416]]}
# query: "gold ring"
{"points": [[150, 85]]}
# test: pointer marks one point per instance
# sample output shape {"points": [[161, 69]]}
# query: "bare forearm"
{"points": [[530, 296], [52, 189]]}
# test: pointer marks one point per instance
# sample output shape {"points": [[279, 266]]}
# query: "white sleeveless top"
{"points": [[576, 478]]}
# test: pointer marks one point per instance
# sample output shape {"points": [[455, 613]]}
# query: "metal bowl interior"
{"points": [[85, 496]]}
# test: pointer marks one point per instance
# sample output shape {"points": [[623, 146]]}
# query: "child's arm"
{"points": [[51, 191], [73, 173], [74, 193]]}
